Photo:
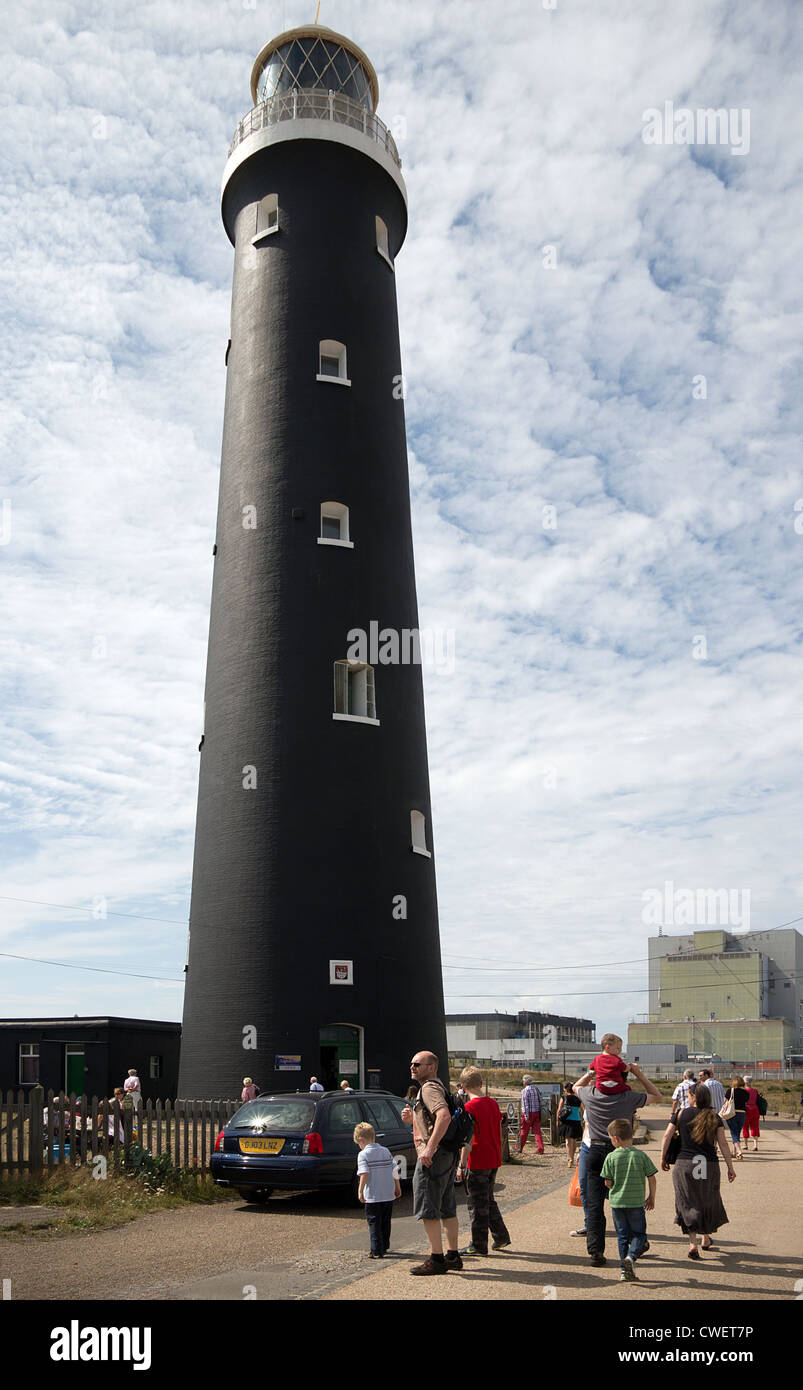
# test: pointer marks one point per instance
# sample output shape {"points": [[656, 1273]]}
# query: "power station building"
{"points": [[314, 943], [715, 993]]}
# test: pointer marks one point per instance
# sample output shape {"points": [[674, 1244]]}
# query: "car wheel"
{"points": [[258, 1195]]}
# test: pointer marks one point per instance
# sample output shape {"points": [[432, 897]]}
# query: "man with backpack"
{"points": [[439, 1129]]}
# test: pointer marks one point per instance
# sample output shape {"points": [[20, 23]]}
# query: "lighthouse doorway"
{"points": [[341, 1055]]}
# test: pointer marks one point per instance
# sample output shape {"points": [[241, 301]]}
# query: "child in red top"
{"points": [[479, 1166], [608, 1068]]}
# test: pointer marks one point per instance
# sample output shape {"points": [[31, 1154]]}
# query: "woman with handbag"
{"points": [[569, 1126], [734, 1116], [698, 1204]]}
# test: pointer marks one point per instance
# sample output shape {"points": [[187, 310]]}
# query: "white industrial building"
{"points": [[522, 1039]]}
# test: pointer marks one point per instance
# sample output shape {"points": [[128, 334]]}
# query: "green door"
{"points": [[340, 1056], [74, 1070]]}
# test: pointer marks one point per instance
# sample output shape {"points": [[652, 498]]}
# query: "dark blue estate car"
{"points": [[305, 1141]]}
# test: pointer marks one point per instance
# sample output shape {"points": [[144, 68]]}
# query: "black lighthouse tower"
{"points": [[314, 942]]}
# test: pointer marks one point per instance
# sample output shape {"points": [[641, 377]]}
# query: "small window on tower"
{"points": [[354, 692], [335, 525], [267, 217], [382, 241], [332, 362], [418, 831]]}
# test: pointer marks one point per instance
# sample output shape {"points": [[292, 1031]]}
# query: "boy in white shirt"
{"points": [[379, 1187]]}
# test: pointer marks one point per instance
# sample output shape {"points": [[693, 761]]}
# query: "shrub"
{"points": [[157, 1173]]}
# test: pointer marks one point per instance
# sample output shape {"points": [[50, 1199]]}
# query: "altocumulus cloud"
{"points": [[591, 324]]}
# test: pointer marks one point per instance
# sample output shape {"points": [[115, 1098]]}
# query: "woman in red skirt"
{"points": [[751, 1117]]}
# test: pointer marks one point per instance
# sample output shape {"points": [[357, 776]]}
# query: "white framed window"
{"points": [[332, 362], [29, 1064], [418, 833], [382, 241], [335, 525], [267, 218], [355, 697]]}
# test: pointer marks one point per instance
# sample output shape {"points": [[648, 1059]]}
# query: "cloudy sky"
{"points": [[603, 397]]}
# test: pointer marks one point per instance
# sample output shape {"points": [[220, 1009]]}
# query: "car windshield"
{"points": [[292, 1113]]}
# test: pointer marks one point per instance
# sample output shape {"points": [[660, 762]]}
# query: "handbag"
{"points": [[674, 1146], [728, 1110], [575, 1200]]}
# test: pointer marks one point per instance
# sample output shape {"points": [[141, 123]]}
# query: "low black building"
{"points": [[89, 1056]]}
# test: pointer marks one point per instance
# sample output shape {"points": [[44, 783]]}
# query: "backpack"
{"points": [[460, 1131], [761, 1102]]}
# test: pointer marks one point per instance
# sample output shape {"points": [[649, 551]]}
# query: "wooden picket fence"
{"points": [[41, 1131]]}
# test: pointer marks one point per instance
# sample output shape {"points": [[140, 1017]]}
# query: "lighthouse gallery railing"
{"points": [[315, 104]]}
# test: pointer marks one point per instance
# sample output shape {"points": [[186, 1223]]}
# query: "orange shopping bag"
{"points": [[575, 1200]]}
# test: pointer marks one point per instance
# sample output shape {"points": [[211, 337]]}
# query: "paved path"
{"points": [[307, 1248], [759, 1254]]}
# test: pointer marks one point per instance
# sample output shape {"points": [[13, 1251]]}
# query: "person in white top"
{"points": [[715, 1089], [314, 1084], [131, 1085], [681, 1096]]}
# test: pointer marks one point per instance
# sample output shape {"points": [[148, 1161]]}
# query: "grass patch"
{"points": [[87, 1203]]}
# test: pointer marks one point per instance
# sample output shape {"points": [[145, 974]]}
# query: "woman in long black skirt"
{"points": [[698, 1204]]}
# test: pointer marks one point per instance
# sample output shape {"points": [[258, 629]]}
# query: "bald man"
{"points": [[433, 1180]]}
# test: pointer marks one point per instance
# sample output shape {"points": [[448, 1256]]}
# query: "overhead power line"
{"points": [[643, 989], [98, 969], [526, 964], [587, 965], [479, 969], [79, 907], [184, 922]]}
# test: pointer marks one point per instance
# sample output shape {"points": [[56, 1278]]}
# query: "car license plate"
{"points": [[261, 1146]]}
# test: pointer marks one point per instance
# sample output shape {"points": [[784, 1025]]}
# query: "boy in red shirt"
{"points": [[479, 1164], [609, 1069]]}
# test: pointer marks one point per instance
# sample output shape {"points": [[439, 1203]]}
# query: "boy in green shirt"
{"points": [[624, 1172]]}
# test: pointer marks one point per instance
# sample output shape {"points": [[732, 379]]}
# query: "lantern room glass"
{"points": [[309, 62]]}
